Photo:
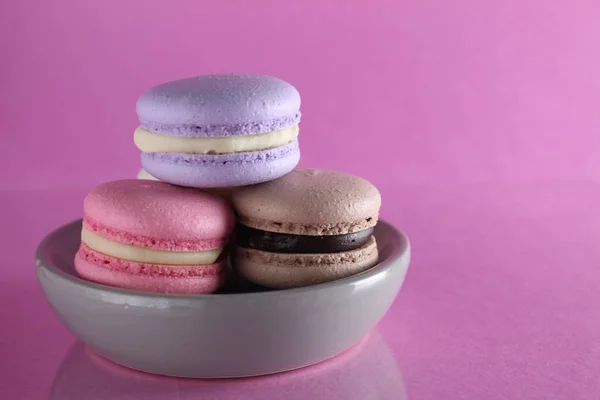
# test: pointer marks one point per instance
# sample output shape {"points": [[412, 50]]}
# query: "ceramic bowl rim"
{"points": [[41, 263]]}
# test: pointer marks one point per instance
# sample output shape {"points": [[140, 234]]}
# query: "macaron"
{"points": [[219, 130], [309, 226], [151, 236], [222, 192]]}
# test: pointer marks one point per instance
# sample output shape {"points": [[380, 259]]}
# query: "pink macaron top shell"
{"points": [[158, 215]]}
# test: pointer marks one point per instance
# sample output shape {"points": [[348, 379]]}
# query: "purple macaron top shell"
{"points": [[220, 105]]}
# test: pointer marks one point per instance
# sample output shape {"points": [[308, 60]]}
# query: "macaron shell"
{"points": [[310, 202], [224, 170], [137, 276], [153, 209], [280, 271], [222, 192], [339, 228], [220, 105]]}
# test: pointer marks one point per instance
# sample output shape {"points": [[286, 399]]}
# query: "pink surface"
{"points": [[477, 120], [99, 268], [157, 215], [369, 362]]}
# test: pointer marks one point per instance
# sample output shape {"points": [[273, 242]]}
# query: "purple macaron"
{"points": [[219, 130]]}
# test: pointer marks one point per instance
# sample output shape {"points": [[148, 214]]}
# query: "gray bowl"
{"points": [[220, 335]]}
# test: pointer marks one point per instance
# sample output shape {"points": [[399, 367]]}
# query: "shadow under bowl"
{"points": [[220, 335]]}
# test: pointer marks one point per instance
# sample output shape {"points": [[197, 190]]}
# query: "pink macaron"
{"points": [[154, 237]]}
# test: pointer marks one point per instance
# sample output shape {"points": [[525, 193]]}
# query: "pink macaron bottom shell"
{"points": [[111, 271], [151, 242]]}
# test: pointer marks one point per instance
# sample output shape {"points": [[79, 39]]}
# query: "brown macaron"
{"points": [[309, 226]]}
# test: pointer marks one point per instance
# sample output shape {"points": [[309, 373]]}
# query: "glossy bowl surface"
{"points": [[220, 335]]}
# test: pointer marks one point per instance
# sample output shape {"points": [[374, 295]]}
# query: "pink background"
{"points": [[438, 91], [478, 120]]}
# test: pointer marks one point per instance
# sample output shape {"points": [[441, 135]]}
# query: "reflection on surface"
{"points": [[368, 371]]}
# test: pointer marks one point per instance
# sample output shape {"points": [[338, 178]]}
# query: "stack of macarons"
{"points": [[214, 149]]}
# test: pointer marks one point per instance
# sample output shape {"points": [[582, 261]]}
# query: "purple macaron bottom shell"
{"points": [[222, 170]]}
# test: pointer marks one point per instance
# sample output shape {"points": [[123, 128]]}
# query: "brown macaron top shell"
{"points": [[309, 202]]}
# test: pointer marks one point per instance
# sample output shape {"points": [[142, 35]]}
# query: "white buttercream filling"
{"points": [[145, 255], [150, 142], [143, 174]]}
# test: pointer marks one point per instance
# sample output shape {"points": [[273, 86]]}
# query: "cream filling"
{"points": [[143, 174], [150, 142], [144, 255]]}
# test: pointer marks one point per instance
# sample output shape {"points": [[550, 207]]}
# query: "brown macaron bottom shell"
{"points": [[282, 271]]}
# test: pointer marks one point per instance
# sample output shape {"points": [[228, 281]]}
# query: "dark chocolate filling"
{"points": [[276, 242]]}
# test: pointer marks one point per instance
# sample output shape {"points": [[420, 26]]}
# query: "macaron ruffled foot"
{"points": [[151, 236], [310, 226]]}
